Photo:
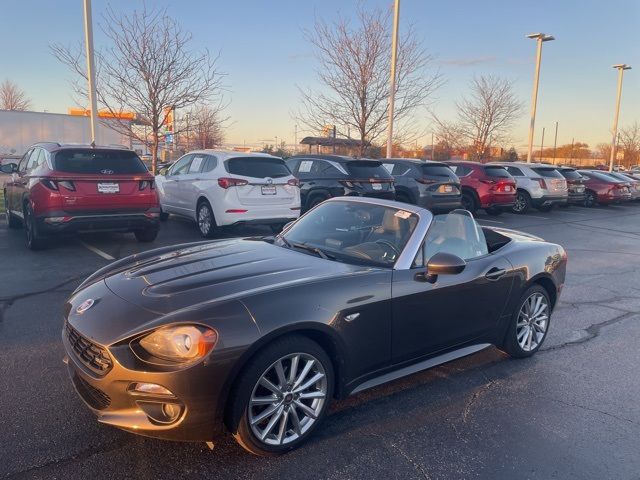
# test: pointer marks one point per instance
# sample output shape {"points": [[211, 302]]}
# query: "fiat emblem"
{"points": [[84, 306]]}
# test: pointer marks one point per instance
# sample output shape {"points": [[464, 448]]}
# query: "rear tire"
{"points": [[523, 202], [529, 323], [147, 235], [34, 239], [292, 424], [590, 199], [469, 202], [206, 220]]}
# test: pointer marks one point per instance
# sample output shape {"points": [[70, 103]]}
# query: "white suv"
{"points": [[217, 188], [539, 185]]}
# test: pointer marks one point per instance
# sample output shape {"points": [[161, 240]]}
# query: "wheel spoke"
{"points": [[266, 413], [529, 338], [309, 382], [303, 374], [522, 334], [282, 429], [282, 381], [293, 371], [268, 385], [295, 420], [307, 410], [316, 394], [272, 422], [264, 400]]}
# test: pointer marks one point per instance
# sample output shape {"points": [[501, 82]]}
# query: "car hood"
{"points": [[169, 280]]}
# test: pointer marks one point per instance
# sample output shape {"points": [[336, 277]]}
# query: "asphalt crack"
{"points": [[416, 466], [595, 410], [474, 397]]}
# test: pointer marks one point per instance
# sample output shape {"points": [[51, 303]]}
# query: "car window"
{"points": [[210, 163], [324, 169], [34, 158], [437, 171], [396, 169], [181, 166], [95, 161], [292, 163], [456, 233], [354, 232], [516, 172], [571, 175], [498, 172], [365, 169], [22, 166], [258, 167], [547, 172], [197, 163], [461, 170]]}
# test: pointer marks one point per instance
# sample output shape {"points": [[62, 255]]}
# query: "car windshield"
{"points": [[258, 167], [498, 172], [571, 175], [437, 170], [547, 172], [95, 161], [353, 232]]}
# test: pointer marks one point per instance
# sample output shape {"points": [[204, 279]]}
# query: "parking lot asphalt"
{"points": [[571, 411]]}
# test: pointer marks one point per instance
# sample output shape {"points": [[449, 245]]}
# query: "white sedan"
{"points": [[217, 188]]}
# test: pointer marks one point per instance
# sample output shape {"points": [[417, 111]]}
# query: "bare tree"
{"points": [[487, 113], [12, 97], [204, 127], [149, 68], [630, 142], [353, 65]]}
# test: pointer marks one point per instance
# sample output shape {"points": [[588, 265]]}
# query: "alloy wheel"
{"points": [[589, 200], [287, 399], [520, 203], [204, 219], [533, 320]]}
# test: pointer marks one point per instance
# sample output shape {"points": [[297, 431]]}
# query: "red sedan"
{"points": [[603, 189], [489, 187]]}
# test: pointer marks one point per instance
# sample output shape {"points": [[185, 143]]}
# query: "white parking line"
{"points": [[490, 221], [535, 216], [104, 255]]}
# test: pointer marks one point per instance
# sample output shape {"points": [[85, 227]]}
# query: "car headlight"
{"points": [[180, 343]]}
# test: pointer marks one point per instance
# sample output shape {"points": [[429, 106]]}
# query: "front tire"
{"points": [[469, 202], [147, 235], [529, 323], [590, 199], [206, 220], [282, 396]]}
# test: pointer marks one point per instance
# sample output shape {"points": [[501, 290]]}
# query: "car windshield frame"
{"points": [[402, 262]]}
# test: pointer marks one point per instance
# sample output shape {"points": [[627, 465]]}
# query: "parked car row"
{"points": [[57, 188]]}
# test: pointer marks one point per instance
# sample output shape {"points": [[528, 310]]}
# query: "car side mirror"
{"points": [[9, 168], [163, 172], [443, 263]]}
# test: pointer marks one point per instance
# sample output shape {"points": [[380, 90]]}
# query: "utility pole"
{"points": [[334, 139], [392, 81], [91, 69], [555, 142], [540, 38], [621, 68]]}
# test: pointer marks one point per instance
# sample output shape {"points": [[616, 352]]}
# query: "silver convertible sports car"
{"points": [[256, 336]]}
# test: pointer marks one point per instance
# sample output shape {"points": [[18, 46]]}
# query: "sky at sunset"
{"points": [[264, 54]]}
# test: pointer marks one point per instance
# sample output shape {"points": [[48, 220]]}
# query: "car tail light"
{"points": [[294, 182], [236, 210], [56, 184], [541, 182], [425, 181], [226, 182], [146, 183], [68, 184]]}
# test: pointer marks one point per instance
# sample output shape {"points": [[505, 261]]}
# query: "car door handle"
{"points": [[495, 273]]}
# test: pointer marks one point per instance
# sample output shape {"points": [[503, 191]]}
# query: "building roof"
{"points": [[330, 142]]}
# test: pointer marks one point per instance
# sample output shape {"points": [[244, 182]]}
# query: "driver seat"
{"points": [[390, 230]]}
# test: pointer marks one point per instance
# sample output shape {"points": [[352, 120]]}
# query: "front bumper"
{"points": [[256, 215], [110, 397], [75, 222]]}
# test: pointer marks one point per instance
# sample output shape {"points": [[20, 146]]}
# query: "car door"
{"points": [[20, 180], [171, 201], [191, 183], [449, 310]]}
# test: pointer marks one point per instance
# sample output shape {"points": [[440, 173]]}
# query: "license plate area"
{"points": [[445, 189], [108, 187], [376, 186], [268, 190]]}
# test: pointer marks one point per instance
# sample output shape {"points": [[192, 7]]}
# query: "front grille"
{"points": [[93, 356], [94, 397]]}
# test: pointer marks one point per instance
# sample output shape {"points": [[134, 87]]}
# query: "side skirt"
{"points": [[423, 365]]}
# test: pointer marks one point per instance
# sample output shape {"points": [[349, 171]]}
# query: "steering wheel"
{"points": [[390, 245]]}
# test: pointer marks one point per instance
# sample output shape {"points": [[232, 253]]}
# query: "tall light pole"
{"points": [[555, 143], [540, 38], [392, 81], [91, 69], [621, 68]]}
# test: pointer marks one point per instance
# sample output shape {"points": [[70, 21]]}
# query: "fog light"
{"points": [[150, 388]]}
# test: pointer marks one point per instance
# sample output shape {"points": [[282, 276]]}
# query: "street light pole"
{"points": [[555, 142], [621, 68], [540, 38], [91, 70], [392, 81]]}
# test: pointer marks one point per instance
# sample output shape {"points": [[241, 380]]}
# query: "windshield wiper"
{"points": [[310, 248]]}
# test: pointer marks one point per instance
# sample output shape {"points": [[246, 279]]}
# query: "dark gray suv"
{"points": [[431, 185]]}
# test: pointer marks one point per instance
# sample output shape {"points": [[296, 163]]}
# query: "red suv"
{"points": [[75, 188], [489, 187]]}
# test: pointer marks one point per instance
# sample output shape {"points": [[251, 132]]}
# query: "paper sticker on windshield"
{"points": [[403, 214], [305, 166]]}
